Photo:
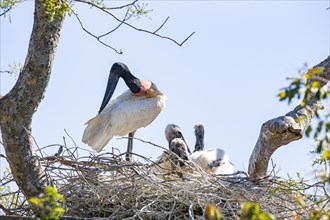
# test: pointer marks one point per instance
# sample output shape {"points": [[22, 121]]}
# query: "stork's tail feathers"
{"points": [[95, 134]]}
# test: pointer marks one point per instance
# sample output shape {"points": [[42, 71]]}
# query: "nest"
{"points": [[104, 185]]}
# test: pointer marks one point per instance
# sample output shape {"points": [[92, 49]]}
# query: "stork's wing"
{"points": [[123, 115], [208, 157]]}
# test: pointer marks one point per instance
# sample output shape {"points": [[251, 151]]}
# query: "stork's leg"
{"points": [[130, 146]]}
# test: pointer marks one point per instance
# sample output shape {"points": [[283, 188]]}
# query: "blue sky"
{"points": [[226, 76]]}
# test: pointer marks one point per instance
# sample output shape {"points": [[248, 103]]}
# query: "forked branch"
{"points": [[124, 21], [281, 131]]}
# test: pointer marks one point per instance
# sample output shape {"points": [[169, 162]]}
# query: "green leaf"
{"points": [[317, 70], [282, 95], [318, 129], [308, 130], [35, 201], [49, 190], [265, 216], [56, 212], [326, 154], [319, 147], [300, 119]]}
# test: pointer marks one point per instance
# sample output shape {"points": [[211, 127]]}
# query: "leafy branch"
{"points": [[8, 5], [308, 84], [312, 84], [50, 203], [12, 69]]}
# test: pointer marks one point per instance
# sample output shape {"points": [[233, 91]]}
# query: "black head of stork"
{"points": [[120, 70], [134, 109], [180, 148], [173, 131]]}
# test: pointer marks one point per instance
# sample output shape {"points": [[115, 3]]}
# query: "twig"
{"points": [[124, 6], [147, 142], [99, 185], [8, 9], [5, 71], [133, 27], [161, 26], [70, 138], [96, 37], [4, 209], [34, 140]]}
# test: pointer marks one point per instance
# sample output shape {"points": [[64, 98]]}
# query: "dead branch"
{"points": [[283, 130]]}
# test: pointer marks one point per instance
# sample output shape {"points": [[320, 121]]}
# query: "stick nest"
{"points": [[104, 185]]}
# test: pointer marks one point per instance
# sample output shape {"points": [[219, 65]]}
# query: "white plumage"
{"points": [[136, 108], [215, 161], [121, 116]]}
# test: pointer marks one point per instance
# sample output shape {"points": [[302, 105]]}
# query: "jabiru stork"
{"points": [[173, 131], [134, 109], [214, 160]]}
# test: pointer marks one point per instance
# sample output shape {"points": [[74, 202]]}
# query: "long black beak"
{"points": [[199, 140], [119, 70], [186, 144], [111, 86]]}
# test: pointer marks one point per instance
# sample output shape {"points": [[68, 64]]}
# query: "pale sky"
{"points": [[226, 76]]}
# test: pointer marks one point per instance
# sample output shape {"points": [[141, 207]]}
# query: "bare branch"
{"points": [[124, 6], [111, 31], [123, 21], [5, 210], [283, 130], [161, 26], [96, 37], [5, 71]]}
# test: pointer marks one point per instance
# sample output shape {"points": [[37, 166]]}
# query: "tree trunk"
{"points": [[281, 131], [18, 106]]}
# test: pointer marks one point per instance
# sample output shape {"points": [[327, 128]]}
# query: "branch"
{"points": [[161, 26], [283, 130], [123, 21], [5, 210], [123, 6], [8, 9], [96, 37], [5, 71]]}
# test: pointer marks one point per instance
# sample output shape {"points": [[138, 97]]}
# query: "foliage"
{"points": [[50, 204], [55, 8], [212, 213], [7, 5], [11, 200], [251, 211], [13, 69], [300, 86], [7, 199], [310, 84], [137, 11]]}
